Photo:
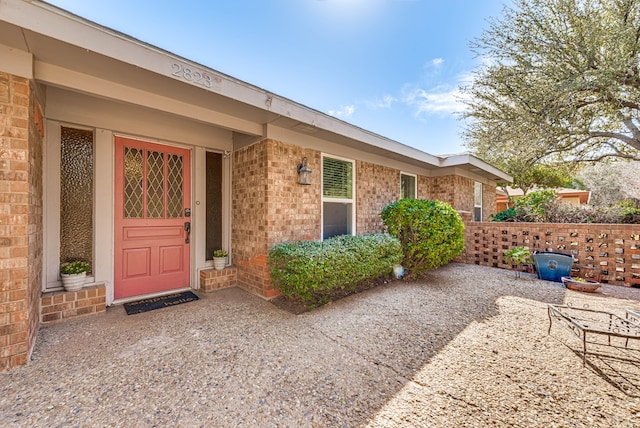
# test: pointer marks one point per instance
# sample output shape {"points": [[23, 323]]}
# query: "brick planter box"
{"points": [[62, 305], [212, 279]]}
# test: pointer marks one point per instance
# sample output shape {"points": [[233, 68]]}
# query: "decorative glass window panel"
{"points": [[407, 186], [338, 199], [477, 201], [76, 195]]}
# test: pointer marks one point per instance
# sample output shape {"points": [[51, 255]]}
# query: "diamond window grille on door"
{"points": [[164, 184], [133, 185], [174, 186]]}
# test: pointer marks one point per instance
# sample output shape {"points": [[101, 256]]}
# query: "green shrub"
{"points": [[431, 233], [509, 214], [315, 272]]}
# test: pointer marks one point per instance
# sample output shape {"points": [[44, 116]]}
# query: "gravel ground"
{"points": [[468, 346]]}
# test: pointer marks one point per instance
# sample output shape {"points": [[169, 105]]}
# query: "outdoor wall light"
{"points": [[304, 172]]}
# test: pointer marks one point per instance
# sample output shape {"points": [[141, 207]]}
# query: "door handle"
{"points": [[187, 228]]}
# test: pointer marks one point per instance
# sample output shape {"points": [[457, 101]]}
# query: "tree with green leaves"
{"points": [[560, 82]]}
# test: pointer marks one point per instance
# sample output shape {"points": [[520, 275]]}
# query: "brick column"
{"points": [[20, 219]]}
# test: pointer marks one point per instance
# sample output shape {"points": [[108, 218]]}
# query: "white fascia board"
{"points": [[65, 78], [469, 159], [309, 116], [16, 62], [56, 23]]}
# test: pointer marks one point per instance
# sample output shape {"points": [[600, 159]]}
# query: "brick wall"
{"points": [[294, 210], [249, 211], [609, 253], [62, 305], [35, 226], [425, 187], [376, 187], [488, 201], [458, 191], [20, 220]]}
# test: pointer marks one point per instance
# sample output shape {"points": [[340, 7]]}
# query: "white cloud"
{"points": [[437, 62], [344, 112], [440, 100], [384, 102]]}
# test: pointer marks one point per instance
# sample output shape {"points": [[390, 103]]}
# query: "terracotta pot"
{"points": [[587, 286]]}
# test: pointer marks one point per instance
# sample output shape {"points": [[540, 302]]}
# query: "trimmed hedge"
{"points": [[431, 233], [317, 271]]}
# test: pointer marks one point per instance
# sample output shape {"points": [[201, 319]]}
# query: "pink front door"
{"points": [[151, 198]]}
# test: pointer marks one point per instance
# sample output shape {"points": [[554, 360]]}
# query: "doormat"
{"points": [[145, 305]]}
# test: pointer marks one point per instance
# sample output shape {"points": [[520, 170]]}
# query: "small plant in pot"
{"points": [[517, 256], [220, 259], [73, 274]]}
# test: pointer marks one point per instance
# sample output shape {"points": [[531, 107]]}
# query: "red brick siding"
{"points": [[376, 187], [607, 252], [425, 185], [294, 210], [488, 201], [35, 208], [62, 305], [249, 212], [212, 279], [20, 220]]}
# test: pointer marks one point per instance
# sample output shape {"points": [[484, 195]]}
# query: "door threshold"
{"points": [[149, 296]]}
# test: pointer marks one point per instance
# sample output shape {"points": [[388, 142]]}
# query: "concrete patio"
{"points": [[466, 346]]}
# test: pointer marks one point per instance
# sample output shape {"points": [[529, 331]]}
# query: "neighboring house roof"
{"points": [[563, 193], [76, 54]]}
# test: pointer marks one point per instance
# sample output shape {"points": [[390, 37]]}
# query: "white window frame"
{"points": [[352, 201], [415, 177], [477, 184]]}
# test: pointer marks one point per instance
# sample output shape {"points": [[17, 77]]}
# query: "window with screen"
{"points": [[477, 201], [337, 197], [407, 186]]}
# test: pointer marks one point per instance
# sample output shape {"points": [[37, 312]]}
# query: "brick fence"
{"points": [[609, 253]]}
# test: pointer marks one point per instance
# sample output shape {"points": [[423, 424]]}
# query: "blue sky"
{"points": [[392, 67]]}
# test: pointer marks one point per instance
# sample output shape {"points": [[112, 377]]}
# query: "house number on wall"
{"points": [[191, 75]]}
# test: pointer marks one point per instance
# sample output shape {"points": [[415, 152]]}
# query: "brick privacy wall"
{"points": [[376, 187], [609, 253], [20, 226], [62, 305]]}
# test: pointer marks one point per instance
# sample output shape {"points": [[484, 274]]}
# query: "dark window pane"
{"points": [[336, 219], [214, 203]]}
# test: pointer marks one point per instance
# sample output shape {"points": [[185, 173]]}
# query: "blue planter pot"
{"points": [[552, 266]]}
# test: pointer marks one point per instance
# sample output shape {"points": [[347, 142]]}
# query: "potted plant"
{"points": [[73, 274], [577, 283], [517, 256], [219, 259]]}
